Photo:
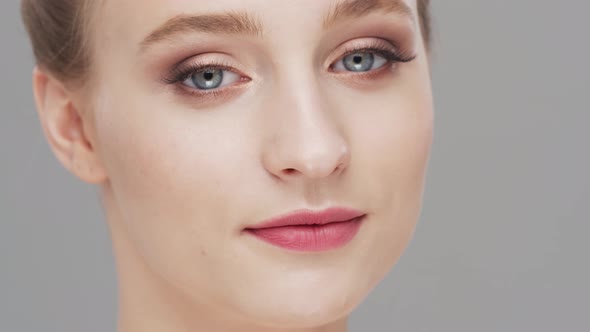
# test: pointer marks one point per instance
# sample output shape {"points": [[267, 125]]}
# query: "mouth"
{"points": [[309, 237]]}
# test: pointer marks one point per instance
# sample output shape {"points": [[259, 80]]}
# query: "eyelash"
{"points": [[383, 49], [181, 73]]}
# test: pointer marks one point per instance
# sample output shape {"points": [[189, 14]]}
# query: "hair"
{"points": [[58, 31]]}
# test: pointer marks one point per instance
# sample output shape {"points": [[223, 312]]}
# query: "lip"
{"points": [[310, 231]]}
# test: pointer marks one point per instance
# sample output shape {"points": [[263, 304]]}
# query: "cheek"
{"points": [[392, 142], [392, 138], [165, 164]]}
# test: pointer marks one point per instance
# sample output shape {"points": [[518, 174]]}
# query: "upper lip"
{"points": [[310, 217]]}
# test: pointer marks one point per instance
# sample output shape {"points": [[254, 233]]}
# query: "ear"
{"points": [[63, 126]]}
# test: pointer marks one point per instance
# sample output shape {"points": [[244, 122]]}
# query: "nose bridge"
{"points": [[304, 137]]}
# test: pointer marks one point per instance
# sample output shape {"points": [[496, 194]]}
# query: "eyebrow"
{"points": [[218, 23], [244, 23], [358, 8]]}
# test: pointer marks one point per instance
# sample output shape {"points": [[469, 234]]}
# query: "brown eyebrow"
{"points": [[358, 8], [244, 23], [219, 23]]}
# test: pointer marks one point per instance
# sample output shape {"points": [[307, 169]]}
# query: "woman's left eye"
{"points": [[360, 62], [210, 78]]}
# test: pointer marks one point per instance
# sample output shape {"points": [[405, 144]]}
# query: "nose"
{"points": [[303, 136]]}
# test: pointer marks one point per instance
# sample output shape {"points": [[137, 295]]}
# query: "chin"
{"points": [[312, 313], [303, 304]]}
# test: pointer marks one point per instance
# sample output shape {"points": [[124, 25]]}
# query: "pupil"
{"points": [[358, 58], [208, 75]]}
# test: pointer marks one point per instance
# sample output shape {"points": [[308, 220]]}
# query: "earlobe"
{"points": [[63, 128]]}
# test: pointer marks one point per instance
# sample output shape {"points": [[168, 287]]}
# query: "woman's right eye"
{"points": [[210, 78]]}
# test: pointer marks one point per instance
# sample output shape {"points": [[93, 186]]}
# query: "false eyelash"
{"points": [[183, 72], [382, 48]]}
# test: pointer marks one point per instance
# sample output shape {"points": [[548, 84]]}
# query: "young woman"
{"points": [[261, 163]]}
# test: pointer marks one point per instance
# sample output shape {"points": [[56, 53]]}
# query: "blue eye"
{"points": [[361, 62], [210, 78]]}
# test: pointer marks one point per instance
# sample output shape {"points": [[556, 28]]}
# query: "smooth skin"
{"points": [[181, 175]]}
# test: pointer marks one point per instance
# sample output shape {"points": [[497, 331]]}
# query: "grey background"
{"points": [[502, 244]]}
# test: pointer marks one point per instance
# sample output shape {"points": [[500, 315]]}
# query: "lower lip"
{"points": [[310, 238]]}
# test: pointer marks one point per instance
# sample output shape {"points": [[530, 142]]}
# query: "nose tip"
{"points": [[316, 162]]}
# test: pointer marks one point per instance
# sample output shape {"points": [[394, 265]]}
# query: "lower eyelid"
{"points": [[386, 64], [368, 76], [217, 93]]}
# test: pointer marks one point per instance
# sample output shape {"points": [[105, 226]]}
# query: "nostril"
{"points": [[289, 171]]}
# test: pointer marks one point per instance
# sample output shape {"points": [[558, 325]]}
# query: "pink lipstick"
{"points": [[309, 231]]}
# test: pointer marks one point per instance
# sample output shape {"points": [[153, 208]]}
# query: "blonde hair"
{"points": [[58, 30]]}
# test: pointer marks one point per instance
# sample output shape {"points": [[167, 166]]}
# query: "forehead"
{"points": [[126, 23]]}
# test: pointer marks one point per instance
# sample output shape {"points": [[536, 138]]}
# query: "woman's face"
{"points": [[296, 111]]}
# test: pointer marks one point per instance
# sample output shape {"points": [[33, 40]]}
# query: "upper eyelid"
{"points": [[365, 49], [183, 70], [377, 44], [374, 47]]}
